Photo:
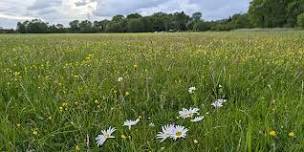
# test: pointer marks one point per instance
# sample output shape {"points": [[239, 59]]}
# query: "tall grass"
{"points": [[59, 91]]}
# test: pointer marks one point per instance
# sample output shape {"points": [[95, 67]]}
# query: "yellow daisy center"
{"points": [[178, 134]]}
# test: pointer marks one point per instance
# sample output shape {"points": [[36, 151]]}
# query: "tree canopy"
{"points": [[275, 13]]}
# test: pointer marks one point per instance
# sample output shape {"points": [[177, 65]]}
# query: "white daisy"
{"points": [[167, 131], [188, 113], [172, 131], [179, 132], [222, 100], [197, 119], [130, 123], [218, 103], [106, 134], [191, 90], [120, 79]]}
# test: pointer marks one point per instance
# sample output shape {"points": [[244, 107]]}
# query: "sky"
{"points": [[64, 11]]}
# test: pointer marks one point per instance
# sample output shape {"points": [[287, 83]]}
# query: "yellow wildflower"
{"points": [[273, 133], [291, 134]]}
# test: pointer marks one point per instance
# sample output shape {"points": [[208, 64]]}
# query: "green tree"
{"points": [[162, 21], [21, 28], [115, 27], [240, 21], [294, 8], [100, 26], [196, 16], [180, 21], [37, 26], [86, 26], [300, 20], [147, 22], [274, 13], [200, 26], [133, 16], [74, 26], [118, 18], [136, 25]]}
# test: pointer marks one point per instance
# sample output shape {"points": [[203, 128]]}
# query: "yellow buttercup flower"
{"points": [[291, 134], [60, 109], [35, 132], [273, 133]]}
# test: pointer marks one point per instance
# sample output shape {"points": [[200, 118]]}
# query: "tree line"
{"points": [[261, 14], [135, 22]]}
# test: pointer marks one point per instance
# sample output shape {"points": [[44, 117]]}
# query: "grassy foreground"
{"points": [[58, 91]]}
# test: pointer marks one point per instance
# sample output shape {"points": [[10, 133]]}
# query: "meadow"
{"points": [[57, 92]]}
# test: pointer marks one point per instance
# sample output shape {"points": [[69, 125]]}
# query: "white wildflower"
{"points": [[179, 132], [197, 119], [188, 113], [191, 90], [172, 131], [106, 134], [151, 124], [167, 131], [120, 79], [218, 103], [131, 123]]}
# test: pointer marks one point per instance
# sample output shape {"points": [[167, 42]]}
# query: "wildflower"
{"points": [[151, 124], [218, 103], [64, 104], [106, 134], [179, 132], [18, 125], [197, 119], [135, 66], [130, 123], [222, 100], [35, 132], [291, 134], [77, 148], [172, 131], [120, 79], [167, 131], [273, 133], [188, 113], [191, 90], [195, 141]]}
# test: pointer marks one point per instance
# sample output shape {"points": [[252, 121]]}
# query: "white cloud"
{"points": [[4, 16]]}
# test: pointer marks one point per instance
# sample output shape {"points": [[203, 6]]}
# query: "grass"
{"points": [[59, 91]]}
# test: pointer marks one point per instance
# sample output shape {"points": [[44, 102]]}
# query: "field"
{"points": [[57, 92]]}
